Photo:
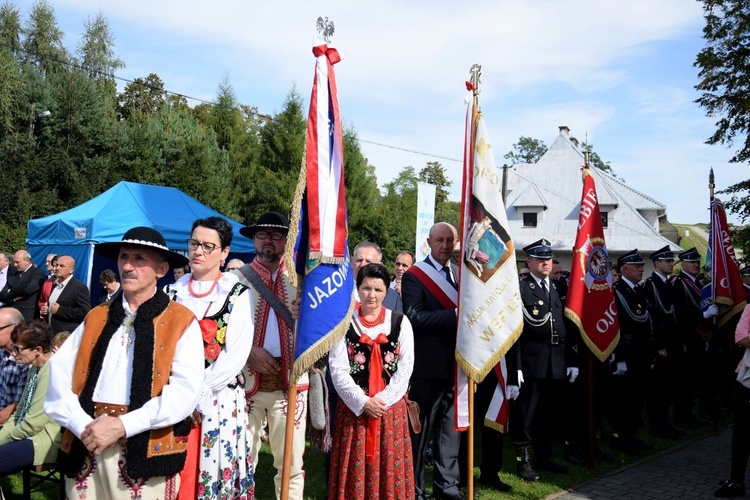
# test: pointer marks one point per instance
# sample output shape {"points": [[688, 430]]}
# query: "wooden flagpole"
{"points": [[291, 409], [475, 72]]}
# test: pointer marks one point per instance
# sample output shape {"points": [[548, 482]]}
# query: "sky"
{"points": [[618, 73]]}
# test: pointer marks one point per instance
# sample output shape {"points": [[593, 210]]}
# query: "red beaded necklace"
{"points": [[377, 321], [205, 294]]}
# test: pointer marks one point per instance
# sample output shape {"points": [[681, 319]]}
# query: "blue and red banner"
{"points": [[319, 224]]}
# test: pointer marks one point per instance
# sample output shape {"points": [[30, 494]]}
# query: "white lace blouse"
{"points": [[239, 334], [350, 393]]}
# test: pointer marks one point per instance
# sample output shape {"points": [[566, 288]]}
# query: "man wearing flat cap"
{"points": [[692, 364], [125, 381], [666, 348], [539, 364], [270, 363], [632, 357]]}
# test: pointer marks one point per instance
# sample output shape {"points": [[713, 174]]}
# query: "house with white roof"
{"points": [[543, 201]]}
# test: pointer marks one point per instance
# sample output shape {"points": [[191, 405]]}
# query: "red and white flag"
{"points": [[726, 282], [490, 316], [591, 301]]}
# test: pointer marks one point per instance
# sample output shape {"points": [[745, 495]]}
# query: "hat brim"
{"points": [[249, 231], [111, 250]]}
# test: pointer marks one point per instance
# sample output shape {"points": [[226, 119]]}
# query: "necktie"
{"points": [[544, 288], [448, 276]]}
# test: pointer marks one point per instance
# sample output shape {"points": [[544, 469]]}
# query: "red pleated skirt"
{"points": [[391, 476]]}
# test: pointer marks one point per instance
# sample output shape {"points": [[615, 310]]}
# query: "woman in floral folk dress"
{"points": [[370, 368], [222, 466]]}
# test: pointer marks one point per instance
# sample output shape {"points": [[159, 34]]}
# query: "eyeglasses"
{"points": [[207, 247], [233, 268], [275, 236], [18, 350], [6, 326], [523, 275]]}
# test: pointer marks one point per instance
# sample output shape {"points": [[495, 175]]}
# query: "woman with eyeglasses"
{"points": [[219, 464], [30, 437]]}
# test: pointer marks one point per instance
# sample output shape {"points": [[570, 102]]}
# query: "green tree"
{"points": [[526, 150], [362, 194], [271, 182], [142, 96], [43, 39], [10, 29], [398, 223], [97, 53], [724, 74], [596, 161]]}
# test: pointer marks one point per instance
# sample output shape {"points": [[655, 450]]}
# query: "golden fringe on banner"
{"points": [[321, 348], [296, 209], [601, 355], [478, 375]]}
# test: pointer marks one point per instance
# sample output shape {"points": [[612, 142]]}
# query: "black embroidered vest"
{"points": [[359, 354]]}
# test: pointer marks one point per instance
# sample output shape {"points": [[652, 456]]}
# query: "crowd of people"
{"points": [[168, 392]]}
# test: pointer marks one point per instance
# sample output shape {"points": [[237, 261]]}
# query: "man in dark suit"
{"points": [[632, 357], [22, 289], [539, 364], [429, 292], [69, 301], [694, 359], [6, 270], [367, 252], [663, 373]]}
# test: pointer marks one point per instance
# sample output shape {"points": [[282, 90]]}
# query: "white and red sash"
{"points": [[444, 292], [436, 283]]}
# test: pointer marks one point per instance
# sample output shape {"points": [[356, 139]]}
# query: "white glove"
{"points": [[520, 378], [511, 392], [611, 358], [622, 369], [572, 373], [713, 310]]}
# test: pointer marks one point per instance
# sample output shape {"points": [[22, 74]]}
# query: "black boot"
{"points": [[523, 464]]}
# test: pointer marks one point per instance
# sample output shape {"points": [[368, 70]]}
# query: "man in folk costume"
{"points": [[123, 384], [429, 292], [539, 364], [692, 361], [270, 362]]}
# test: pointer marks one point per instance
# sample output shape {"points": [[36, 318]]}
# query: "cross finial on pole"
{"points": [[325, 28], [476, 75]]}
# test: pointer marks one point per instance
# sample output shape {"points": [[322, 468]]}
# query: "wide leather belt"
{"points": [[109, 409], [270, 382]]}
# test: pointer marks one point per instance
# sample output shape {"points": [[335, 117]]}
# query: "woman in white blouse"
{"points": [[219, 464], [370, 368]]}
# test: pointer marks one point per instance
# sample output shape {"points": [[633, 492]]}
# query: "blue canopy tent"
{"points": [[105, 218]]}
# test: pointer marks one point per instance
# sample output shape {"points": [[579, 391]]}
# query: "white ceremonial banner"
{"points": [[425, 218]]}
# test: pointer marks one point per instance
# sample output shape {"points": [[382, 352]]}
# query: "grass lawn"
{"points": [[315, 485]]}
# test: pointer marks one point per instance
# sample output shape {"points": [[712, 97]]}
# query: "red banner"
{"points": [[726, 283], [591, 299]]}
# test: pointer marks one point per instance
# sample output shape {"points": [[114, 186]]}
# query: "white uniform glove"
{"points": [[511, 392], [611, 359], [622, 369], [520, 378], [713, 310], [572, 373]]}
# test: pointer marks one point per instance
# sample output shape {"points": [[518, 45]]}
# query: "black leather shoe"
{"points": [[494, 482], [730, 489], [549, 465], [526, 472]]}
